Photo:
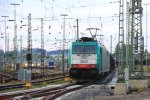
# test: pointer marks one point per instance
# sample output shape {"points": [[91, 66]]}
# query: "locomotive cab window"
{"points": [[84, 49], [77, 49]]}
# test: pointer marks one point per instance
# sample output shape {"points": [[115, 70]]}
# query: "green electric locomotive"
{"points": [[88, 60]]}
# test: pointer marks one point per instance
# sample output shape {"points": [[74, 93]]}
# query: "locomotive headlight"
{"points": [[93, 65], [74, 66]]}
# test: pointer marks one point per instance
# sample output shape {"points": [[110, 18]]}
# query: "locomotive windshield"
{"points": [[84, 49]]}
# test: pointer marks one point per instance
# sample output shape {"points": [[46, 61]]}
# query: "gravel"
{"points": [[97, 92], [87, 93]]}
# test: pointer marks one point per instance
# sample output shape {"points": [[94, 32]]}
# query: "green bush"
{"points": [[148, 61], [148, 68], [120, 81], [44, 84]]}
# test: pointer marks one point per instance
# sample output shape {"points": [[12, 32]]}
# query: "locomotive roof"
{"points": [[86, 39]]}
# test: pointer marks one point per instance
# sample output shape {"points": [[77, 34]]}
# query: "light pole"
{"points": [[67, 52], [1, 34], [100, 37], [5, 40], [111, 44], [12, 54], [5, 33], [15, 35], [146, 30], [64, 15]]}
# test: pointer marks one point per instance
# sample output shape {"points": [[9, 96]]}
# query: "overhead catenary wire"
{"points": [[52, 5]]}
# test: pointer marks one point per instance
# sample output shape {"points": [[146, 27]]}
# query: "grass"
{"points": [[10, 90], [58, 82], [10, 83]]}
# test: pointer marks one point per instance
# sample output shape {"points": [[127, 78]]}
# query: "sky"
{"points": [[100, 14]]}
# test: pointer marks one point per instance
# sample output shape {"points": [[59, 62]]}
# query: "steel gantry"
{"points": [[135, 41], [121, 65], [42, 47], [29, 55]]}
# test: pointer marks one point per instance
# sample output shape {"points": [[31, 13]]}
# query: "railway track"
{"points": [[54, 92], [12, 76], [52, 80], [61, 92], [53, 95], [25, 95]]}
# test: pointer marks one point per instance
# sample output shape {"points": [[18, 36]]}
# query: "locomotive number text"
{"points": [[83, 61]]}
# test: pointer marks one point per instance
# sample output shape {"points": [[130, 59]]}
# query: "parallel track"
{"points": [[52, 93], [6, 87], [34, 93]]}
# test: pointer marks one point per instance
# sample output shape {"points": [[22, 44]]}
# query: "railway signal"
{"points": [[29, 57]]}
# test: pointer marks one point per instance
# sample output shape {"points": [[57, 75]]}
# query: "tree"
{"points": [[116, 54], [146, 51]]}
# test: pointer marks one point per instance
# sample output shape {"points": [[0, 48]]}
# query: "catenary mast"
{"points": [[121, 65], [135, 40]]}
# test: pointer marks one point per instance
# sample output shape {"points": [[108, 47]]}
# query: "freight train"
{"points": [[89, 60]]}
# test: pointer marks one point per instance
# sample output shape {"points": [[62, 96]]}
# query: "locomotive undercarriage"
{"points": [[84, 74]]}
